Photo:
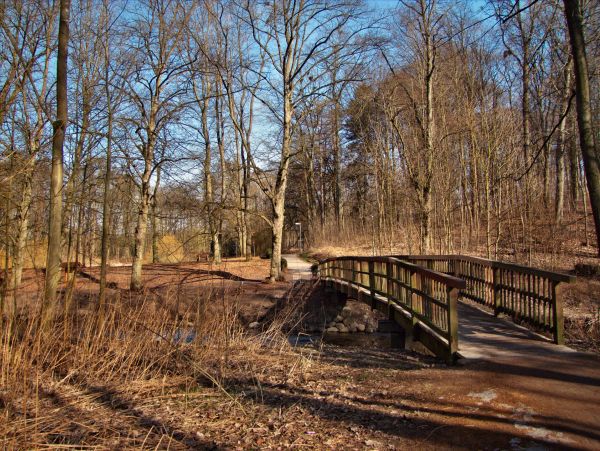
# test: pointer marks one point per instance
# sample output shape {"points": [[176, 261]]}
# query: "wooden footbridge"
{"points": [[421, 293]]}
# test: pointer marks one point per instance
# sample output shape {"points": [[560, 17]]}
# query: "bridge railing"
{"points": [[527, 294], [413, 294]]}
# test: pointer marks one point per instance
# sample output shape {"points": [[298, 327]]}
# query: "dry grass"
{"points": [[72, 384], [131, 380]]}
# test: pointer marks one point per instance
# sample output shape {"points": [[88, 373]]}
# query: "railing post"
{"points": [[372, 283], [412, 282], [451, 268], [557, 317], [409, 333], [350, 281], [388, 288], [452, 301], [496, 289]]}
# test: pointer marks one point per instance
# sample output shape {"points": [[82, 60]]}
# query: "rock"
{"points": [[254, 325], [360, 327], [338, 319], [342, 329], [353, 328], [332, 329], [372, 323]]}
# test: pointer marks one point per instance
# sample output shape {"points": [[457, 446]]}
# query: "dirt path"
{"points": [[553, 382], [298, 267]]}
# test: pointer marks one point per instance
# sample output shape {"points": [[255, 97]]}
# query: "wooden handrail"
{"points": [[527, 294], [555, 276], [447, 279]]}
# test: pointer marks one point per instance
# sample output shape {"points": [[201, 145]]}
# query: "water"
{"points": [[381, 340], [304, 340]]}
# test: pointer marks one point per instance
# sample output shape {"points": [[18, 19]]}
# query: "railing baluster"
{"points": [[371, 266], [496, 281], [388, 291]]}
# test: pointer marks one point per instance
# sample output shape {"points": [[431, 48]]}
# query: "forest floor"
{"points": [[254, 390]]}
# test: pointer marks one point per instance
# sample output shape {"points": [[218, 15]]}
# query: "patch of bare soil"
{"points": [[178, 285]]}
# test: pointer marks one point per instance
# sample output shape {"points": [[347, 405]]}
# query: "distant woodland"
{"points": [[171, 130]]}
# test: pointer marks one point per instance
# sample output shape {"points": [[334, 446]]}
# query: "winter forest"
{"points": [[139, 136], [200, 128]]}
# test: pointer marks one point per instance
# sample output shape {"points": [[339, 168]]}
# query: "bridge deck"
{"points": [[481, 335], [554, 381]]}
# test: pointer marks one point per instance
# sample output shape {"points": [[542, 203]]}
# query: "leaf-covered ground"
{"points": [[253, 394], [323, 397]]}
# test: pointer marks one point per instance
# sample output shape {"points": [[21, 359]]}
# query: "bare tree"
{"points": [[155, 88], [113, 94], [59, 128], [574, 17], [418, 82], [296, 38], [34, 113]]}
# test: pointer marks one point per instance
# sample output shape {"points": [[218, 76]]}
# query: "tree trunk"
{"points": [[59, 126], [220, 125], [559, 198], [140, 236], [337, 165], [488, 215], [7, 236], [429, 140], [208, 182], [573, 172], [525, 108], [73, 187], [244, 180], [584, 112], [22, 227], [425, 226], [142, 219], [105, 200], [280, 187]]}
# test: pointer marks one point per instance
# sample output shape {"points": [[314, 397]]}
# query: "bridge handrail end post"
{"points": [[558, 320], [452, 299]]}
